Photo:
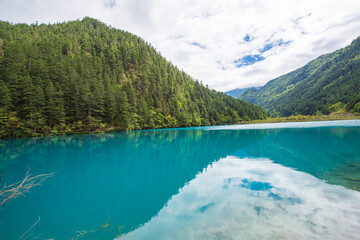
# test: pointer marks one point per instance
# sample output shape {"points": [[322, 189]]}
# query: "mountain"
{"points": [[85, 76], [238, 91], [327, 83]]}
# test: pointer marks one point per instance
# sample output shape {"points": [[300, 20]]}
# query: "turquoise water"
{"points": [[264, 181]]}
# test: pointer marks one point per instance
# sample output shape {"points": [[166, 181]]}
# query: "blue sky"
{"points": [[225, 44], [252, 59]]}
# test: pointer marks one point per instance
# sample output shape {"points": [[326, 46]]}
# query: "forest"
{"points": [[327, 84], [85, 76]]}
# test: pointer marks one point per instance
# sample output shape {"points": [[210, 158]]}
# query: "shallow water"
{"points": [[263, 181]]}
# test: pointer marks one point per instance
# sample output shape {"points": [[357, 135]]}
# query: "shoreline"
{"points": [[296, 118]]}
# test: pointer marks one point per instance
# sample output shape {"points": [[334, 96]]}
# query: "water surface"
{"points": [[263, 181]]}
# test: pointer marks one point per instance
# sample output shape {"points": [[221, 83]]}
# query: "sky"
{"points": [[225, 44]]}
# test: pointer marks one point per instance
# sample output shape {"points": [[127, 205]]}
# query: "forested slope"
{"points": [[85, 75], [327, 83]]}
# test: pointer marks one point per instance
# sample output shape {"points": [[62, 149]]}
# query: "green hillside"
{"points": [[86, 76], [326, 84]]}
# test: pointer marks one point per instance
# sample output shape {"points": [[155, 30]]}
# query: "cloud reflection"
{"points": [[255, 199]]}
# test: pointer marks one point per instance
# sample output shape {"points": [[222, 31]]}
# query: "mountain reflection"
{"points": [[331, 154], [127, 177]]}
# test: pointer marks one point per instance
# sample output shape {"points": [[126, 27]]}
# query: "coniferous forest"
{"points": [[84, 76]]}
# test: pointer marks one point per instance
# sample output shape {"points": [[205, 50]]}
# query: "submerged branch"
{"points": [[30, 228], [15, 190], [81, 234]]}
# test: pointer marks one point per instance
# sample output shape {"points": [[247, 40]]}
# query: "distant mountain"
{"points": [[238, 91], [326, 83], [86, 76]]}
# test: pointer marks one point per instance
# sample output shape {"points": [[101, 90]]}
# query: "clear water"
{"points": [[264, 181]]}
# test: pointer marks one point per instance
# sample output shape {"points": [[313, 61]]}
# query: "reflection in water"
{"points": [[255, 199], [331, 154], [128, 178]]}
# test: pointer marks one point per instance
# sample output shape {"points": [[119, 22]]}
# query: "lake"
{"points": [[260, 181]]}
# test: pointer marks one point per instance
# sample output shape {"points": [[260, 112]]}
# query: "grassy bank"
{"points": [[340, 115]]}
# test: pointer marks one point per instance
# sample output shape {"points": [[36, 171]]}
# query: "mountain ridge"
{"points": [[327, 80]]}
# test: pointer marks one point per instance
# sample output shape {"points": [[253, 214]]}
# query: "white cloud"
{"points": [[312, 27]]}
